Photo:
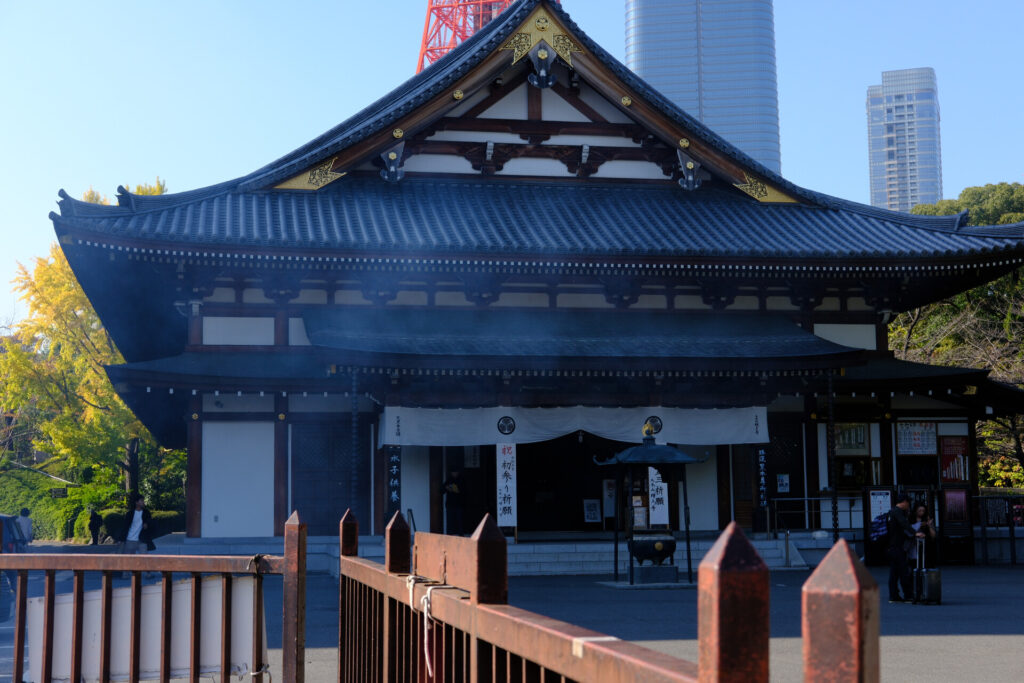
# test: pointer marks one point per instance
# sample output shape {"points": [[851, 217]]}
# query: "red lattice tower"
{"points": [[449, 22]]}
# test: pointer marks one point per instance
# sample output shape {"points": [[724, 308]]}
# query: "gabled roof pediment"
{"points": [[512, 92]]}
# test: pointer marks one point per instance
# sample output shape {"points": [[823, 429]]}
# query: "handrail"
{"points": [[291, 566], [440, 613]]}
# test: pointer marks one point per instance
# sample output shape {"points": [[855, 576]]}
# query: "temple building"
{"points": [[505, 268]]}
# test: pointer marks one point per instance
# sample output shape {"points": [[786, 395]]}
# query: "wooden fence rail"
{"points": [[291, 565], [440, 613]]}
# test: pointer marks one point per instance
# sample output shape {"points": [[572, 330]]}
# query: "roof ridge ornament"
{"points": [[540, 27]]}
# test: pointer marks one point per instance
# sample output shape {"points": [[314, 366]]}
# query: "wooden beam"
{"points": [[577, 102], [532, 128], [194, 471]]}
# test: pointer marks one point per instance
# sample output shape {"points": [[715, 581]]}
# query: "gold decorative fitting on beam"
{"points": [[195, 416], [458, 95], [397, 133], [537, 28], [313, 179], [684, 143], [280, 416], [761, 191], [626, 101]]}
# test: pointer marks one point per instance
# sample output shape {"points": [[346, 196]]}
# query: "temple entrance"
{"points": [[556, 476], [322, 475]]}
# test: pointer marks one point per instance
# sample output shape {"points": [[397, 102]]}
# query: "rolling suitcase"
{"points": [[927, 582]]}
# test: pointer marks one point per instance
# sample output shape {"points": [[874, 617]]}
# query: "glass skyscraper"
{"points": [[716, 60], [904, 151]]}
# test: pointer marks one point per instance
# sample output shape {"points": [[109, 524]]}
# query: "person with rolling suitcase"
{"points": [[900, 534], [927, 582]]}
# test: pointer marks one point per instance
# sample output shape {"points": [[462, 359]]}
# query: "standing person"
{"points": [[136, 527], [25, 524], [920, 522], [901, 534], [454, 501], [95, 522]]}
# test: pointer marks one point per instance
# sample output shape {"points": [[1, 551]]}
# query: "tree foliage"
{"points": [[980, 328], [61, 406]]}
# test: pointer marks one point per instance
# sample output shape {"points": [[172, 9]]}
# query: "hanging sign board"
{"points": [[880, 502], [762, 474], [591, 510], [608, 495], [506, 484], [916, 438], [657, 497], [953, 462]]}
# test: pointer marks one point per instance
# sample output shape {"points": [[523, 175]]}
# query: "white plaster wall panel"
{"points": [[254, 295], [779, 303], [830, 303], [786, 404], [952, 429], [523, 300], [438, 163], [702, 488], [350, 297], [512, 106], [554, 108], [238, 479], [921, 403], [416, 484], [639, 170], [476, 136], [650, 301], [233, 403], [311, 296], [855, 336], [469, 102], [238, 331], [592, 140], [855, 303], [221, 295], [532, 167], [451, 299], [690, 302], [297, 332], [602, 106], [583, 301], [406, 297], [745, 303], [316, 402]]}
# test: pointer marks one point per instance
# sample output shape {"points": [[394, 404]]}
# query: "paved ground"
{"points": [[976, 634]]}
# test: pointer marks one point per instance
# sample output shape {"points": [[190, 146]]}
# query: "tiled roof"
{"points": [[477, 216]]}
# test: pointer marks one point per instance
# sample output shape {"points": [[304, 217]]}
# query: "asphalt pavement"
{"points": [[977, 633]]}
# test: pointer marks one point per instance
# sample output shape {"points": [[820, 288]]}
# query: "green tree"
{"points": [[982, 328], [62, 404]]}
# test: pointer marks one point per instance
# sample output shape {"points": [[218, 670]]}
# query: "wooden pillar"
{"points": [[280, 462], [194, 470], [195, 328]]}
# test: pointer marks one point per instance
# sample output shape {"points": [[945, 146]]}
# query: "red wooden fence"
{"points": [[441, 614]]}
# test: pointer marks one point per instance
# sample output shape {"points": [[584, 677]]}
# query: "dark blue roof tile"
{"points": [[478, 216]]}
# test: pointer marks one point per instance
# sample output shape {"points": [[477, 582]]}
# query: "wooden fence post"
{"points": [[348, 538], [841, 620], [490, 580], [293, 625], [397, 556], [732, 611]]}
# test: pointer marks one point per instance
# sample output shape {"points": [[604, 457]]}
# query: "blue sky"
{"points": [[99, 94]]}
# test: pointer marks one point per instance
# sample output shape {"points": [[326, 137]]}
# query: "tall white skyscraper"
{"points": [[716, 60], [904, 150]]}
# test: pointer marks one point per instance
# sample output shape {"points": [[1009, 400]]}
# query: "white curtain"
{"points": [[478, 426]]}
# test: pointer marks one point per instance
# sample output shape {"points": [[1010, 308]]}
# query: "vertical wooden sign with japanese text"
{"points": [[394, 479], [657, 500], [506, 484]]}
